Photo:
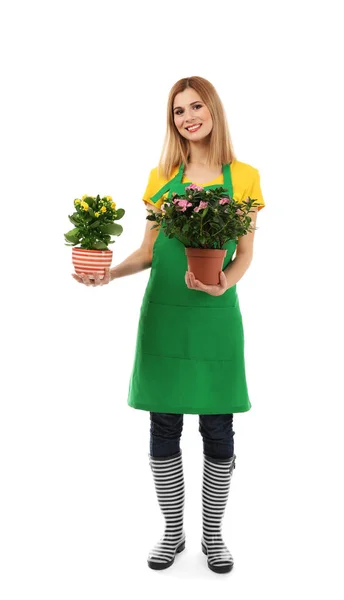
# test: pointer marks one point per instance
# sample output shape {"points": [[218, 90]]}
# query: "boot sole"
{"points": [[223, 569], [160, 566]]}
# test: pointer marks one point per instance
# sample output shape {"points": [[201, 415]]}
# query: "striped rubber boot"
{"points": [[217, 475], [169, 485]]}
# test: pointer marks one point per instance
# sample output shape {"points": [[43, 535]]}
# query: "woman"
{"points": [[189, 356]]}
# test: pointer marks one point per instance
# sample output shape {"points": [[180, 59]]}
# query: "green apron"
{"points": [[189, 356]]}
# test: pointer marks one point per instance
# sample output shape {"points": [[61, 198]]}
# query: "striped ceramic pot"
{"points": [[91, 261]]}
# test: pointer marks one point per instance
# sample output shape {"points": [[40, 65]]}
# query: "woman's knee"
{"points": [[216, 427], [166, 425], [217, 433], [165, 433]]}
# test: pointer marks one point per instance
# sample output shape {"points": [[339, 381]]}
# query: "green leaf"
{"points": [[119, 213], [74, 231], [99, 246], [96, 223], [112, 228], [72, 240], [74, 218], [73, 235], [185, 241]]}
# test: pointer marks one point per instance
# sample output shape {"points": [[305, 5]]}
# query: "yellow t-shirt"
{"points": [[245, 180]]}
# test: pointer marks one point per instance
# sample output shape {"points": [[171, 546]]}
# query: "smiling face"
{"points": [[188, 110]]}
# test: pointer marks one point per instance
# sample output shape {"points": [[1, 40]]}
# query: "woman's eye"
{"points": [[196, 106]]}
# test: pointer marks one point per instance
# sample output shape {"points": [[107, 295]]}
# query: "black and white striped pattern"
{"points": [[216, 481], [169, 484]]}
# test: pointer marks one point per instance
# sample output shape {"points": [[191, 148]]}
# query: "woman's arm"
{"points": [[150, 234], [244, 254], [245, 243], [140, 259]]}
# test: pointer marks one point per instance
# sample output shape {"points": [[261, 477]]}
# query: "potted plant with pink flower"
{"points": [[94, 225], [204, 220]]}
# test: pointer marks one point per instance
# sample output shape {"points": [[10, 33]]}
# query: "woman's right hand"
{"points": [[85, 279]]}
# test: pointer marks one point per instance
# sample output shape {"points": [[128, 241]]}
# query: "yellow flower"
{"points": [[113, 205], [109, 197], [84, 196], [85, 205], [96, 214], [103, 209], [77, 201]]}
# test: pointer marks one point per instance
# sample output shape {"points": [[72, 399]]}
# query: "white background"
{"points": [[83, 111]]}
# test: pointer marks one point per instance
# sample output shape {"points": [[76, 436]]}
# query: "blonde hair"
{"points": [[176, 149]]}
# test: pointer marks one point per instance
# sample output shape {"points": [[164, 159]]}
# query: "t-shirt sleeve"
{"points": [[255, 191], [153, 186]]}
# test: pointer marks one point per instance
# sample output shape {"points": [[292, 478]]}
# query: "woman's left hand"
{"points": [[213, 290]]}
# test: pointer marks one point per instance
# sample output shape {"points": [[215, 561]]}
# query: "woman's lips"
{"points": [[194, 130]]}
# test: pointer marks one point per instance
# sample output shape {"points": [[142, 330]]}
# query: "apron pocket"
{"points": [[192, 332]]}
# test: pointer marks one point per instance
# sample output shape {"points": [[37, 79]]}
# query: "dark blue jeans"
{"points": [[216, 431]]}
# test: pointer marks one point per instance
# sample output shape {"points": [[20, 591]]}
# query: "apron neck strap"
{"points": [[227, 180], [179, 176]]}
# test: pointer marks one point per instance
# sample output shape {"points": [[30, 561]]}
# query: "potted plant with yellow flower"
{"points": [[204, 220], [94, 225]]}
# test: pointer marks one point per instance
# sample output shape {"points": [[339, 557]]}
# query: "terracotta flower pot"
{"points": [[206, 264], [91, 261]]}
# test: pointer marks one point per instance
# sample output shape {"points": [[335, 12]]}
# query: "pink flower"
{"points": [[224, 201], [183, 204], [201, 205], [192, 186]]}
